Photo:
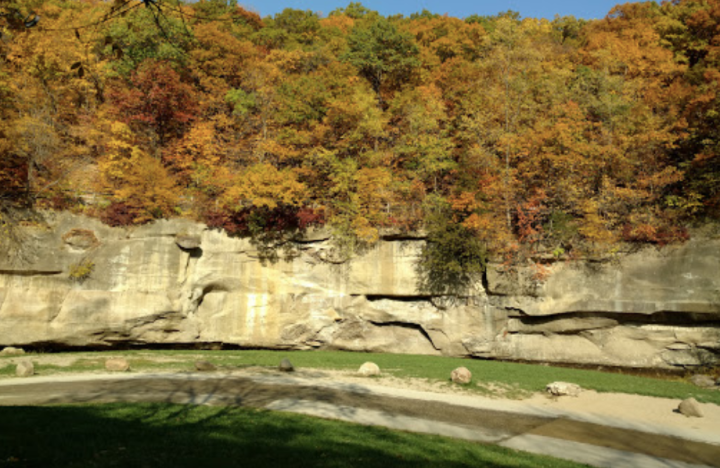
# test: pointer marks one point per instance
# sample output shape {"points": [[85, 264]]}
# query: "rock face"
{"points": [[178, 282]]}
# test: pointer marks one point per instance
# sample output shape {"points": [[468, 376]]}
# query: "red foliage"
{"points": [[251, 220], [309, 217], [529, 219], [249, 18], [119, 214], [215, 219], [661, 236], [63, 201], [158, 99], [13, 177], [540, 272]]}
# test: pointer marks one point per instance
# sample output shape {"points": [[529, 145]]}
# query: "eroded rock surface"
{"points": [[178, 282]]}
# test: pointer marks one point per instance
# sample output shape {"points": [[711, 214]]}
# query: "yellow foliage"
{"points": [[263, 185], [374, 194], [81, 271], [343, 22], [355, 118], [364, 230], [196, 152], [129, 175], [490, 228], [593, 226]]}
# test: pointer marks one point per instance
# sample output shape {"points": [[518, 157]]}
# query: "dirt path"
{"points": [[497, 421]]}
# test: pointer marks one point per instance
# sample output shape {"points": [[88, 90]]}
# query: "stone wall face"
{"points": [[653, 308]]}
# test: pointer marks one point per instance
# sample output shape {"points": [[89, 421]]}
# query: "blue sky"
{"points": [[457, 8]]}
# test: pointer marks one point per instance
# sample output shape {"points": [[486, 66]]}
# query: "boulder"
{"points": [[204, 366], [369, 369], [117, 365], [286, 366], [701, 380], [25, 369], [461, 375], [10, 351], [563, 389], [690, 408], [188, 241]]}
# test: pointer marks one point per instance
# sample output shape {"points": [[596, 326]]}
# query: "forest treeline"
{"points": [[490, 132]]}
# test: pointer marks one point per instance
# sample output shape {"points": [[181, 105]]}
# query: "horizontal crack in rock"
{"points": [[412, 326]]}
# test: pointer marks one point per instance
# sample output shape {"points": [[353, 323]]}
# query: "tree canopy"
{"points": [[528, 137]]}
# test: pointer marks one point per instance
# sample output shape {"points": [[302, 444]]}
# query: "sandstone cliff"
{"points": [[177, 282]]}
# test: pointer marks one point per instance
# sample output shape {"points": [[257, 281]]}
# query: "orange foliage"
{"points": [[538, 135]]}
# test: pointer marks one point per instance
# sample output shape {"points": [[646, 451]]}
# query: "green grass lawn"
{"points": [[521, 379], [163, 435]]}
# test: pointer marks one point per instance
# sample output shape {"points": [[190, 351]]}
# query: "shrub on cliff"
{"points": [[453, 258], [81, 270]]}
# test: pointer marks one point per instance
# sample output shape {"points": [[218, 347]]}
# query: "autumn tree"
{"points": [[495, 101], [157, 100], [694, 38], [143, 35], [494, 133], [442, 38], [290, 29], [382, 54], [422, 146], [137, 185], [636, 102]]}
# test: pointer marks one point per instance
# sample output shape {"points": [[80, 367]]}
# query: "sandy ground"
{"points": [[636, 409]]}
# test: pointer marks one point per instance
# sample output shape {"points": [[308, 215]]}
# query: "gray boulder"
{"points": [[690, 408], [25, 369], [286, 366], [10, 351], [563, 389], [188, 241], [701, 380], [204, 366], [117, 365]]}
